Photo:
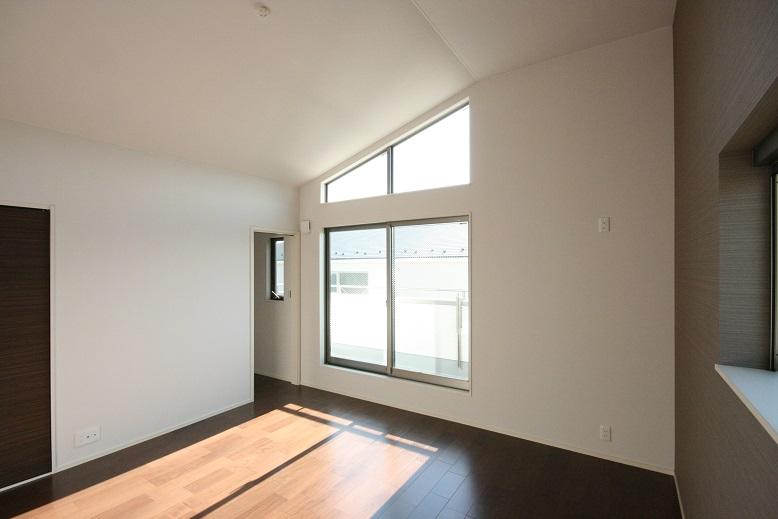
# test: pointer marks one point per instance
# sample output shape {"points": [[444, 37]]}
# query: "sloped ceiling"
{"points": [[492, 36], [286, 96]]}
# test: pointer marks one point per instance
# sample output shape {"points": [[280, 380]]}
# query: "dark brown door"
{"points": [[25, 367]]}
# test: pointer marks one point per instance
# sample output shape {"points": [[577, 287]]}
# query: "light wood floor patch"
{"points": [[290, 462]]}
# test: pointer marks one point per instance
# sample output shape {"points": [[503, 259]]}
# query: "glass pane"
{"points": [[436, 156], [279, 266], [357, 291], [431, 299], [366, 180]]}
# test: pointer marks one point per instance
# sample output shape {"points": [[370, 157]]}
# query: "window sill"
{"points": [[758, 389], [442, 385]]}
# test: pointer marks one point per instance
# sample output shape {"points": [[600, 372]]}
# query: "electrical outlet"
{"points": [[605, 433], [85, 436]]}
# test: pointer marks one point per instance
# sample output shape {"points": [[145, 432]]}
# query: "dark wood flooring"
{"points": [[472, 473]]}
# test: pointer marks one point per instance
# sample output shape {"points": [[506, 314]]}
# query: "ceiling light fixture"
{"points": [[262, 9]]}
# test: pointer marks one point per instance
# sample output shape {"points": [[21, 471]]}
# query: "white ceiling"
{"points": [[284, 97], [492, 36]]}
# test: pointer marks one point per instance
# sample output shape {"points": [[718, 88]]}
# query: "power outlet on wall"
{"points": [[88, 435], [605, 433]]}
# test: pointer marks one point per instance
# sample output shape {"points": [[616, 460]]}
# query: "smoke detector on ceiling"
{"points": [[262, 9]]}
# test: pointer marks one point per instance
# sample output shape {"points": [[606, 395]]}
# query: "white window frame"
{"points": [[389, 369]]}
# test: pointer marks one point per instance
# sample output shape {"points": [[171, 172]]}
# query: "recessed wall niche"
{"points": [[744, 242]]}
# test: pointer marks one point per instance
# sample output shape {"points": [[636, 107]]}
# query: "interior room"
{"points": [[388, 258]]}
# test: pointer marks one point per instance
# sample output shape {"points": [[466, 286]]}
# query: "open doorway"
{"points": [[276, 307]]}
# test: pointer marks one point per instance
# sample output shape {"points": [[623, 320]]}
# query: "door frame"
{"points": [[294, 299], [52, 336]]}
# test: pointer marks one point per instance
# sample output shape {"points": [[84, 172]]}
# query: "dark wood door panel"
{"points": [[25, 362]]}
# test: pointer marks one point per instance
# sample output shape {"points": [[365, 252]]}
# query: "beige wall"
{"points": [[570, 328], [725, 62], [744, 262], [151, 286]]}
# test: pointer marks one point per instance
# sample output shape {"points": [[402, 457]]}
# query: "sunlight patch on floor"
{"points": [[289, 461]]}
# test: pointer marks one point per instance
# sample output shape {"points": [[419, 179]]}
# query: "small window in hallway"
{"points": [[277, 269]]}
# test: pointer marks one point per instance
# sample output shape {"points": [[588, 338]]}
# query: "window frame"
{"points": [[389, 370], [389, 150], [273, 296], [765, 153], [328, 358]]}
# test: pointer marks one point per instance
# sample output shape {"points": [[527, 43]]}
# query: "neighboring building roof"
{"points": [[448, 240]]}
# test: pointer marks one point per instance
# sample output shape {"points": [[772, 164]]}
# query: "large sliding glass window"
{"points": [[356, 310], [430, 303], [419, 327]]}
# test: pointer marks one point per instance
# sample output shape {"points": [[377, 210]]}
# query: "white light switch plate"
{"points": [[604, 224]]}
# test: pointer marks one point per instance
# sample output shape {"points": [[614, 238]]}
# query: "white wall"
{"points": [[570, 328], [152, 281], [275, 345]]}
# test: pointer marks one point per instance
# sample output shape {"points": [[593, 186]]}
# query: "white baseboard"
{"points": [[142, 439], [551, 443]]}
